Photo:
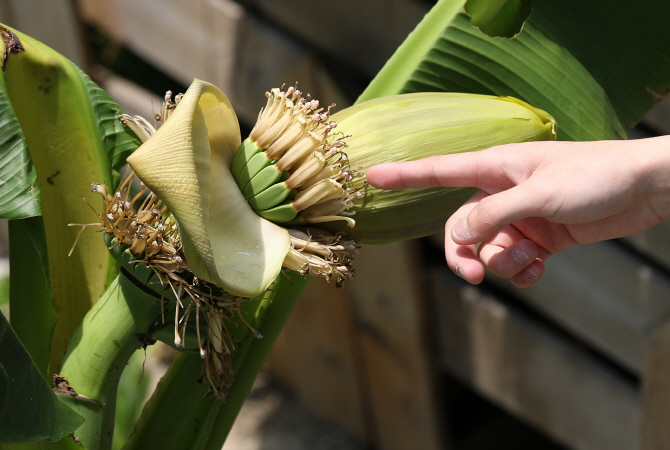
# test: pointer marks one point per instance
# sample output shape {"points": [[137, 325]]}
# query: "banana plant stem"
{"points": [[98, 353], [288, 292], [204, 423]]}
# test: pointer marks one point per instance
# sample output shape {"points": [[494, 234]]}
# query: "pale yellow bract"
{"points": [[186, 163]]}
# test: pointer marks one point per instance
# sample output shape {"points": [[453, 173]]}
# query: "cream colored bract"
{"points": [[186, 163]]}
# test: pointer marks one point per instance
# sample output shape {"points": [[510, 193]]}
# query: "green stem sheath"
{"points": [[32, 314], [98, 353], [204, 423], [286, 297]]}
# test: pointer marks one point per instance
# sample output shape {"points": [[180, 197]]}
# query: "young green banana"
{"points": [[265, 178], [244, 153], [255, 164], [272, 196], [282, 213]]}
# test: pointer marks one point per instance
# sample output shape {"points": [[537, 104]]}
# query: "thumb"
{"points": [[495, 211]]}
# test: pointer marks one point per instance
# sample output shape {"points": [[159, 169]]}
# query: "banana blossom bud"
{"points": [[414, 126]]}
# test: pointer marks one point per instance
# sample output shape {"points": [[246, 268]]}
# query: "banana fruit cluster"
{"points": [[290, 168]]}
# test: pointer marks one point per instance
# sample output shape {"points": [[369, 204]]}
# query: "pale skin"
{"points": [[539, 198]]}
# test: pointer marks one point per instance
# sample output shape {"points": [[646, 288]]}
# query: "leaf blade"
{"points": [[19, 190], [612, 61], [32, 411], [531, 67], [32, 312], [118, 141]]}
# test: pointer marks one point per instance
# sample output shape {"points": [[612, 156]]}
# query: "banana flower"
{"points": [[240, 206]]}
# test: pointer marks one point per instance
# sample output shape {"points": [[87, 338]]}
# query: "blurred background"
{"points": [[406, 355]]}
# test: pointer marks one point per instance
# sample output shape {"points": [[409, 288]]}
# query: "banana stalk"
{"points": [[100, 351], [50, 100], [205, 422]]}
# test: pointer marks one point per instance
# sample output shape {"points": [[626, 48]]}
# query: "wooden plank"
{"points": [[398, 361], [536, 374], [654, 242], [362, 34], [384, 339], [53, 23], [217, 41], [656, 391], [268, 59], [186, 39], [316, 358], [132, 99], [603, 294]]}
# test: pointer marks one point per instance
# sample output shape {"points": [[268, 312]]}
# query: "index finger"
{"points": [[476, 169]]}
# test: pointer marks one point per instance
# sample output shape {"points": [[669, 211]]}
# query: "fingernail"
{"points": [[530, 274], [520, 257], [459, 271], [460, 230]]}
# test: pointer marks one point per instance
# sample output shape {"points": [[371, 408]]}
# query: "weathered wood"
{"points": [[53, 23], [363, 34], [375, 353], [654, 242], [389, 308], [132, 99], [532, 372], [186, 39], [215, 41], [316, 357], [655, 429], [603, 294], [659, 118]]}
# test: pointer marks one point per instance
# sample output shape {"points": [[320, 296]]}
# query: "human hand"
{"points": [[539, 198]]}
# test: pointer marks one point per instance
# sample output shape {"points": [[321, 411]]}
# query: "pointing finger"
{"points": [[475, 169]]}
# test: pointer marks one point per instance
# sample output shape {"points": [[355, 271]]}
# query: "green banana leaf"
{"points": [[19, 191], [74, 136], [32, 312], [118, 141], [30, 411], [597, 69], [53, 106]]}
